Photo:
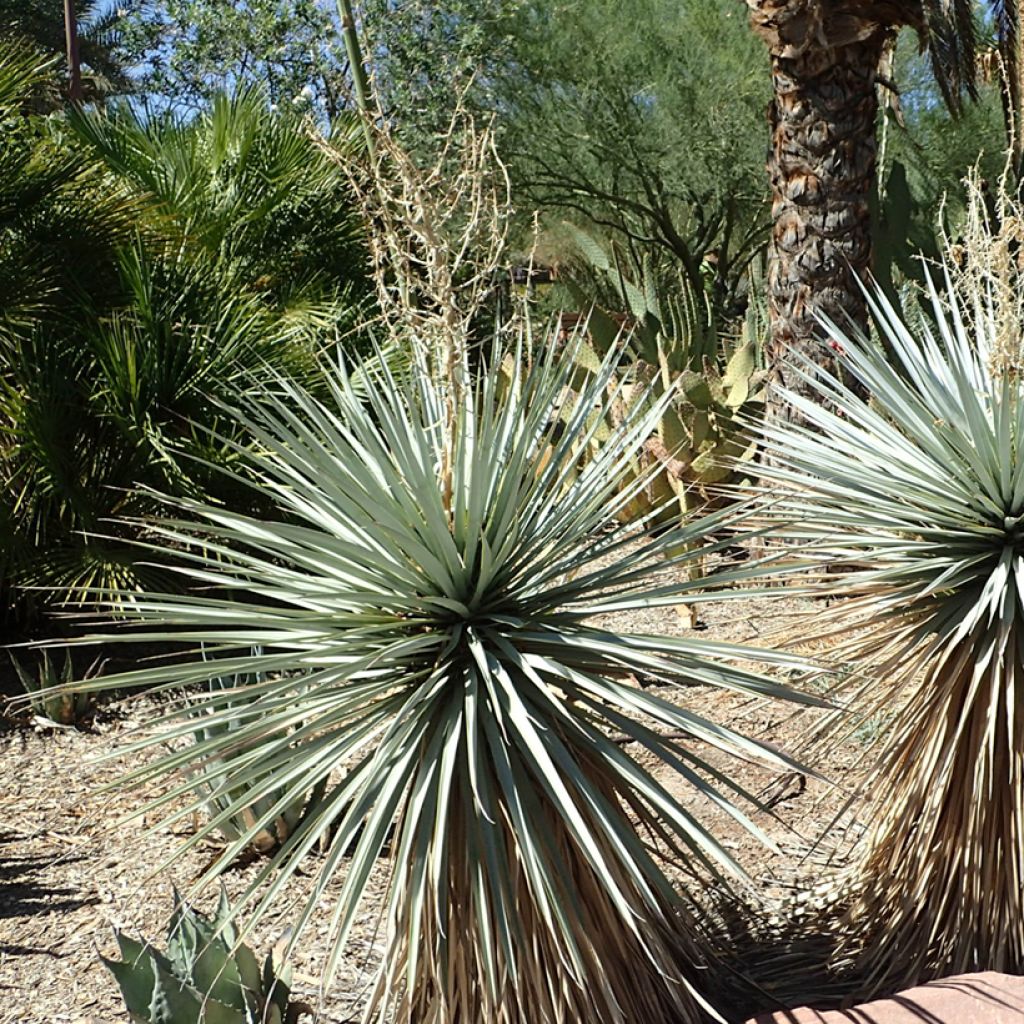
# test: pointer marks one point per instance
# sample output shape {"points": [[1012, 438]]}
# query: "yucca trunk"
{"points": [[822, 168], [940, 888], [641, 967]]}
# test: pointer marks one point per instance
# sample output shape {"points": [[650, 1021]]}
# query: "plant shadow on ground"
{"points": [[24, 895], [774, 968]]}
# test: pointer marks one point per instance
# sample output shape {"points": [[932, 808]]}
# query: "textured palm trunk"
{"points": [[1010, 68], [822, 167]]}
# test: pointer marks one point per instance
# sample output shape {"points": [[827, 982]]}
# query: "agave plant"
{"points": [[919, 492], [49, 691], [434, 570], [220, 801], [207, 976]]}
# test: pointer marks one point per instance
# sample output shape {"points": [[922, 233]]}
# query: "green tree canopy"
{"points": [[187, 51], [653, 130]]}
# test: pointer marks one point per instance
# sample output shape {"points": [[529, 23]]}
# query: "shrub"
{"points": [[149, 267]]}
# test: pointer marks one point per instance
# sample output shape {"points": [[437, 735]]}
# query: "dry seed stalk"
{"points": [[438, 235], [988, 271]]}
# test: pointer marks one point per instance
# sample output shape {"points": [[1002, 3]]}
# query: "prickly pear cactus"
{"points": [[702, 425], [715, 382], [701, 439], [205, 977]]}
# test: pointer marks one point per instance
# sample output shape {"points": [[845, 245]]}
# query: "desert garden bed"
{"points": [[73, 870]]}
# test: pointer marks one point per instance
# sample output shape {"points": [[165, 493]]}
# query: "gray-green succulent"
{"points": [[48, 694], [235, 801], [207, 976]]}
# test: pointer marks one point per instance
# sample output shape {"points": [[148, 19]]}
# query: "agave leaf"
{"points": [[172, 1001], [274, 980], [135, 977], [216, 970]]}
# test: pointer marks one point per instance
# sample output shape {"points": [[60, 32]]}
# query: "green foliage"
{"points": [[48, 691], [925, 154], [150, 269], [652, 132], [655, 135], [60, 229], [433, 568], [710, 384], [711, 417], [269, 818], [247, 188], [207, 975], [425, 55]]}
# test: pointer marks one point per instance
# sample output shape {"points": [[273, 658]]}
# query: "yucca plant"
{"points": [[49, 694], [207, 976], [918, 491], [275, 824], [434, 570]]}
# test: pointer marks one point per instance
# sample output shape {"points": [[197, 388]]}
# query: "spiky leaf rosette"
{"points": [[433, 575], [920, 493]]}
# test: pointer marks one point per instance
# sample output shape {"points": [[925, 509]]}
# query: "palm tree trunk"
{"points": [[822, 167], [74, 64]]}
